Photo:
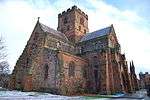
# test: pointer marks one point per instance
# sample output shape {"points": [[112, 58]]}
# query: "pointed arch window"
{"points": [[68, 28], [82, 21], [79, 28], [65, 20], [46, 68], [96, 62], [27, 61], [71, 71], [84, 31]]}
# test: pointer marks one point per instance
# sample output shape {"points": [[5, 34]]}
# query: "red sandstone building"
{"points": [[71, 60], [144, 80]]}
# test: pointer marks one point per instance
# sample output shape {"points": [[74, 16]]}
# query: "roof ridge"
{"points": [[97, 33], [101, 29]]}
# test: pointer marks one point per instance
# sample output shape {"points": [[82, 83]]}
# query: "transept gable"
{"points": [[41, 28], [51, 31], [112, 35]]}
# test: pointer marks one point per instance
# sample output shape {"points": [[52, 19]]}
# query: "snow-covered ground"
{"points": [[18, 95]]}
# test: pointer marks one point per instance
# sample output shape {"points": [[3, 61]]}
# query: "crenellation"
{"points": [[59, 15], [74, 7], [68, 10], [82, 13], [63, 12], [79, 10]]}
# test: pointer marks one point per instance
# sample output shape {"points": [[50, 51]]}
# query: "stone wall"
{"points": [[44, 71], [77, 82], [57, 44], [25, 62]]}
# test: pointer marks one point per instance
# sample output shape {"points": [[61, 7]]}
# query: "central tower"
{"points": [[73, 23]]}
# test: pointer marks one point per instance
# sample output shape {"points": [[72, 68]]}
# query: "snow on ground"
{"points": [[18, 95]]}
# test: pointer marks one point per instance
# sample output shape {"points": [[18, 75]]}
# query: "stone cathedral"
{"points": [[70, 60]]}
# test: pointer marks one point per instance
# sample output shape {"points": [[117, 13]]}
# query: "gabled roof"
{"points": [[52, 31], [97, 34]]}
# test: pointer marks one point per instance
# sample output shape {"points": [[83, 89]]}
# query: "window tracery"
{"points": [[71, 69]]}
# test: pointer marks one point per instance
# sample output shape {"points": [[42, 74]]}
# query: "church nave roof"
{"points": [[96, 34]]}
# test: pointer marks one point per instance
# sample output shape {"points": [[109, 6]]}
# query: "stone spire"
{"points": [[38, 19], [132, 68], [132, 64]]}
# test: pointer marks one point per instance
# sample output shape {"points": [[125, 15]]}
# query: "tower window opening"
{"points": [[65, 20], [84, 31], [27, 61], [68, 28], [82, 21], [79, 28]]}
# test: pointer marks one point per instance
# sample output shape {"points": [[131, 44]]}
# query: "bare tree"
{"points": [[2, 49], [4, 74], [4, 66]]}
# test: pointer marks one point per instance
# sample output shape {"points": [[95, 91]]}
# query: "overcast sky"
{"points": [[131, 20]]}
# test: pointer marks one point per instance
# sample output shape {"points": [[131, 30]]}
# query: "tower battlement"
{"points": [[73, 8], [73, 23]]}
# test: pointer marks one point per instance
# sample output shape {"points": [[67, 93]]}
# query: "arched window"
{"points": [[46, 71], [65, 20], [36, 35], [84, 71], [95, 61], [96, 46], [84, 31], [82, 21], [27, 61], [68, 28], [71, 71], [79, 28], [95, 58]]}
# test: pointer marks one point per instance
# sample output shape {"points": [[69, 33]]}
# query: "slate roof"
{"points": [[96, 34], [52, 31]]}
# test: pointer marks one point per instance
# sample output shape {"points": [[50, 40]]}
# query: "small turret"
{"points": [[132, 67]]}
